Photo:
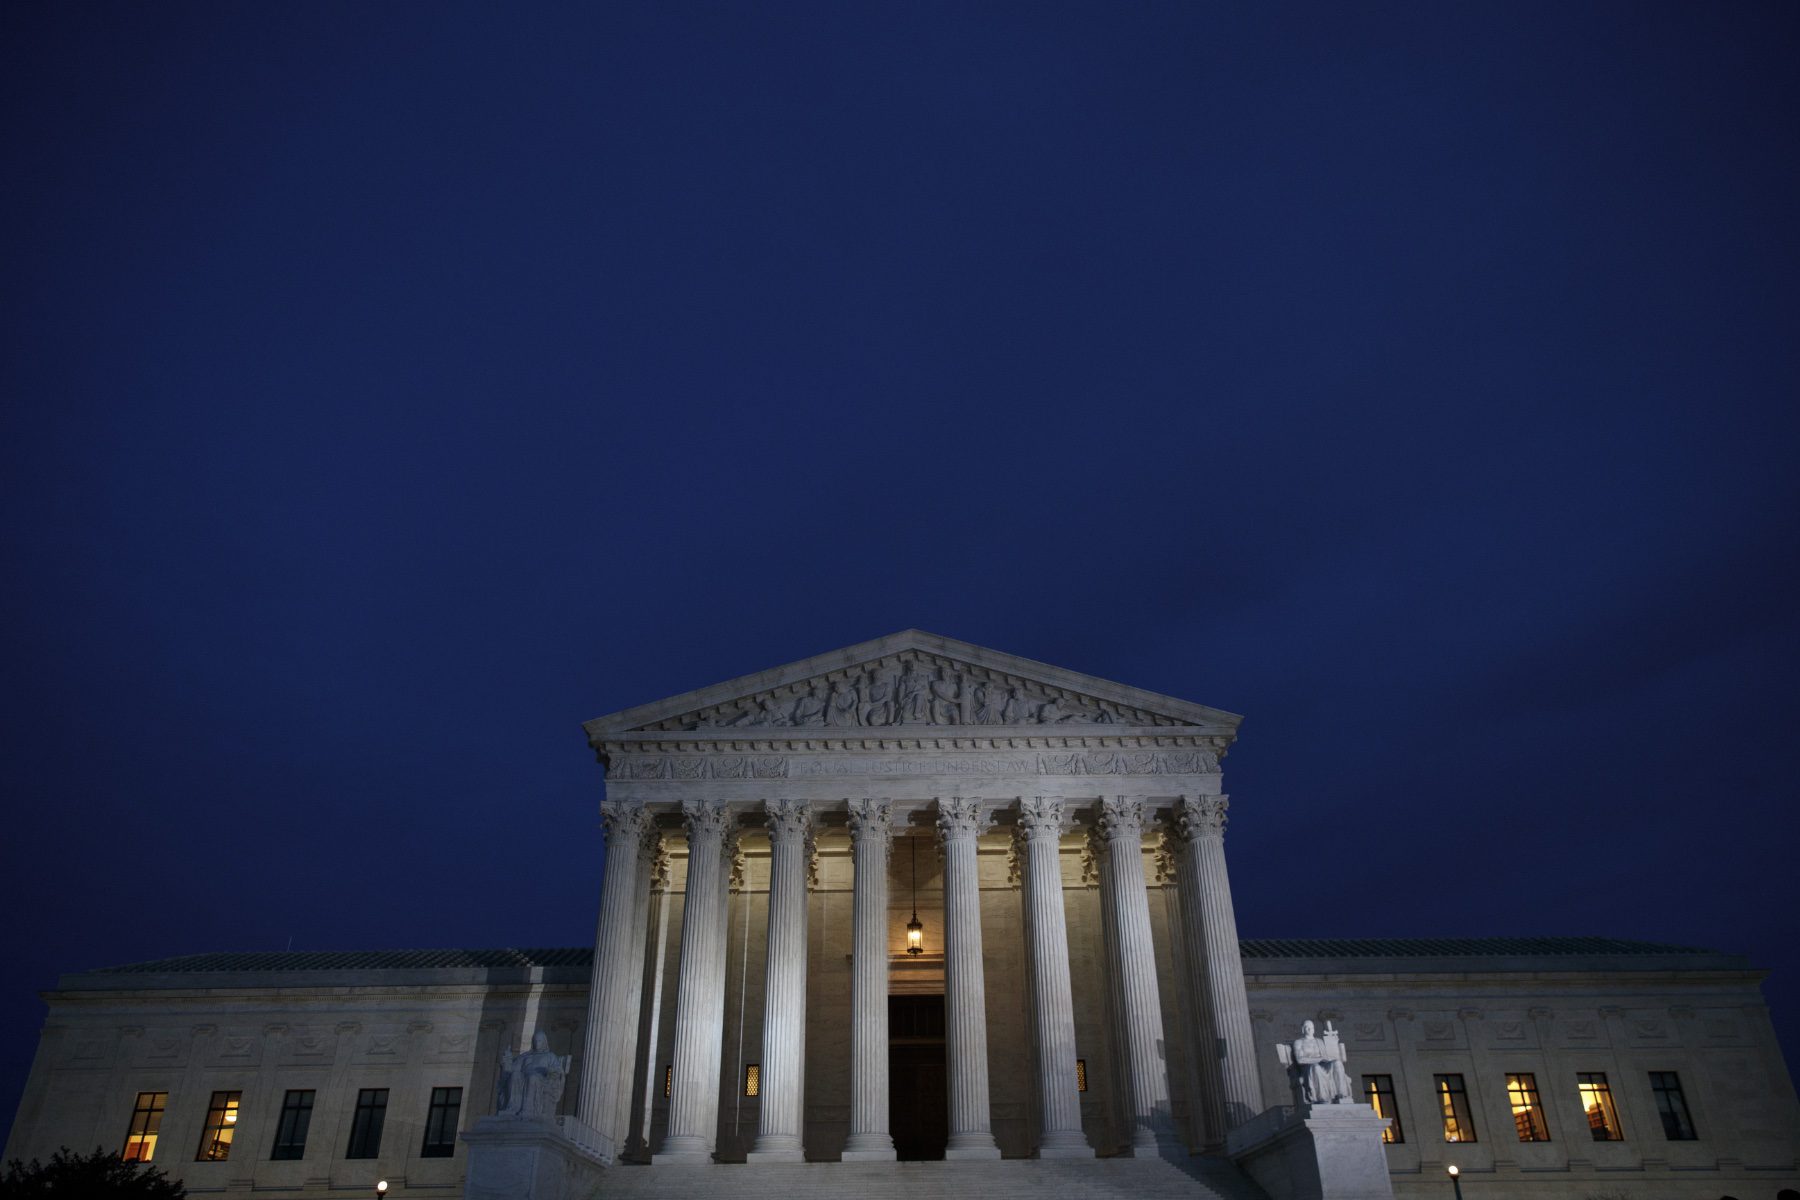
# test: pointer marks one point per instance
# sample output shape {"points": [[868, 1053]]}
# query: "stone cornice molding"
{"points": [[1121, 817], [788, 820], [1195, 817], [1044, 817], [960, 818]]}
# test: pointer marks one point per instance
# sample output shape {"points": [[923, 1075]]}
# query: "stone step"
{"points": [[1011, 1179]]}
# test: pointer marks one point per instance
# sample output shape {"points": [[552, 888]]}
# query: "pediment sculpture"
{"points": [[911, 689], [1315, 1066]]}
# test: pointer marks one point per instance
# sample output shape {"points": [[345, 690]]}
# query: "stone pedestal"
{"points": [[1315, 1152], [514, 1158]]}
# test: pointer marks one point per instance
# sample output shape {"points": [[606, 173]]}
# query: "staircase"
{"points": [[1011, 1179]]}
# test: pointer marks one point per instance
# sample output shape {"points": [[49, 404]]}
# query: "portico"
{"points": [[795, 804]]}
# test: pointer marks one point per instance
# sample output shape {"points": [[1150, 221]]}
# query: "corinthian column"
{"points": [[1042, 823], [784, 991], [960, 822], [1199, 824], [700, 994], [608, 1037], [1121, 826], [649, 847], [870, 836]]}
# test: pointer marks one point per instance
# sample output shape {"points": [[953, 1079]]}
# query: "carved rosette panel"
{"points": [[1044, 817], [872, 821], [625, 822], [1199, 817], [960, 817], [912, 689], [789, 820], [1121, 817]]}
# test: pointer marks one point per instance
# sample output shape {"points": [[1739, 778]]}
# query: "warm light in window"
{"points": [[752, 1079], [668, 1080], [231, 1116], [1081, 1074]]}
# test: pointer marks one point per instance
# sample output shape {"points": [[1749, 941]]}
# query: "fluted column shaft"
{"points": [[784, 991], [700, 992], [648, 848], [1206, 906], [870, 834], [608, 1037], [1122, 826], [960, 822], [1042, 822]]}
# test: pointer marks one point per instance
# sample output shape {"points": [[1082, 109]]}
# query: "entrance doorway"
{"points": [[918, 1080]]}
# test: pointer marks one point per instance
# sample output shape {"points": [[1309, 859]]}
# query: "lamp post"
{"points": [[1455, 1179]]}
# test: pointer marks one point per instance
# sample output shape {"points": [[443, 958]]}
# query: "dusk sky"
{"points": [[389, 388]]}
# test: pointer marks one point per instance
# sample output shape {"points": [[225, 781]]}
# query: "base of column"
{"points": [[682, 1148], [869, 1156], [869, 1147], [776, 1148], [1065, 1144], [972, 1152], [965, 1146]]}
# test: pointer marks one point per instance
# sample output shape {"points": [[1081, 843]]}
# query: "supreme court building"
{"points": [[918, 901]]}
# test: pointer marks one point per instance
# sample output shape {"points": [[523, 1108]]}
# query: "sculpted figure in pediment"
{"points": [[878, 698], [987, 704], [910, 696], [811, 708], [843, 706], [946, 699]]}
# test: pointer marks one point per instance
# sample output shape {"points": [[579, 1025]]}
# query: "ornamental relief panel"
{"points": [[781, 766], [911, 689]]}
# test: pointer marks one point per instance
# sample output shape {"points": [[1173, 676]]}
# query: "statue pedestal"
{"points": [[1315, 1152], [525, 1158]]}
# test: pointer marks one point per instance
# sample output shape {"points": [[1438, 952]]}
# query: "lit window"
{"points": [[365, 1127], [221, 1123], [1453, 1101], [1527, 1109], [1677, 1125], [1379, 1090], [1081, 1074], [1596, 1098], [290, 1131], [668, 1080], [753, 1079], [146, 1121], [440, 1123]]}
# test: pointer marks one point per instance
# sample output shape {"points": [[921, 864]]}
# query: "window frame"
{"points": [[293, 1125], [149, 1131], [442, 1118], [222, 1113], [367, 1123], [1610, 1129], [1386, 1103], [1454, 1113], [1683, 1115], [1526, 1103]]}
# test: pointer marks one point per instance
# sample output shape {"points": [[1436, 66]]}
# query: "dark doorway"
{"points": [[918, 1083]]}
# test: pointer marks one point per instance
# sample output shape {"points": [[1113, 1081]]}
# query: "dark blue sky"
{"points": [[389, 388]]}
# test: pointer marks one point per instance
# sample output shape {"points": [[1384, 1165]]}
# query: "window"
{"points": [[365, 1128], [1677, 1125], [146, 1120], [1379, 1091], [1527, 1109], [290, 1131], [1081, 1074], [221, 1123], [440, 1123], [753, 1079], [1596, 1098], [668, 1080], [1453, 1099]]}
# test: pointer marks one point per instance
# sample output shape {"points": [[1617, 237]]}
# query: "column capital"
{"points": [[1044, 817], [1195, 817], [788, 820], [650, 851], [704, 817], [628, 821], [1121, 817], [871, 820], [960, 817]]}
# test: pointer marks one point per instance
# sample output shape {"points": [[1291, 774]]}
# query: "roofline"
{"points": [[1213, 720]]}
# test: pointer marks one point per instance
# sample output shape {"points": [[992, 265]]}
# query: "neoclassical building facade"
{"points": [[921, 900]]}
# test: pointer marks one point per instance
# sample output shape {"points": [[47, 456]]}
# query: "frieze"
{"points": [[912, 689], [765, 766]]}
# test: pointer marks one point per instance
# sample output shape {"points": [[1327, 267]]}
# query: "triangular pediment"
{"points": [[911, 679]]}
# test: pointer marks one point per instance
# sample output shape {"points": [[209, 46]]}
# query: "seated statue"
{"points": [[1315, 1067], [531, 1084]]}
